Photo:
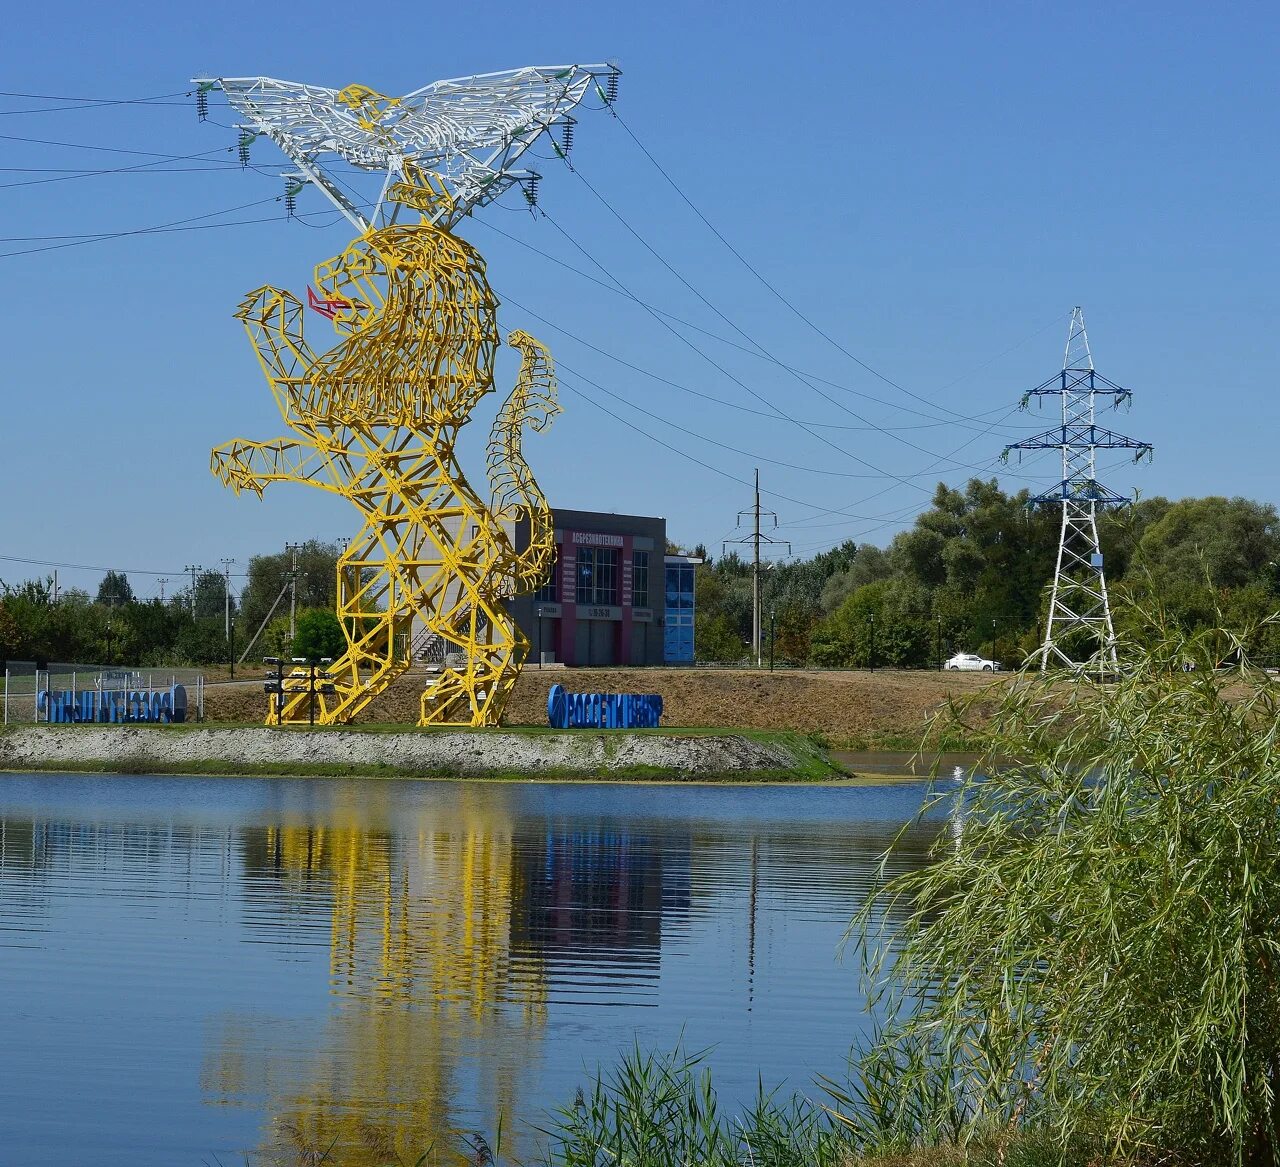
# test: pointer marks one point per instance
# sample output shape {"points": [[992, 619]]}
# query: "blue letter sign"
{"points": [[602, 710]]}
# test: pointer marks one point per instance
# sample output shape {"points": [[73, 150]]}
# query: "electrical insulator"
{"points": [[202, 104], [611, 88], [567, 135], [531, 189], [291, 188], [242, 147]]}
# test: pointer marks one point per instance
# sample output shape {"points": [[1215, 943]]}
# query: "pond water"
{"points": [[198, 971]]}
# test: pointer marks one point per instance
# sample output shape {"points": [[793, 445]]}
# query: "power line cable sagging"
{"points": [[66, 103], [943, 461]]}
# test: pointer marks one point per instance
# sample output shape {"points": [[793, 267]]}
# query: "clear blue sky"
{"points": [[933, 185]]}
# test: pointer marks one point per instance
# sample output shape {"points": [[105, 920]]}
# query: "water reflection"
{"points": [[387, 967]]}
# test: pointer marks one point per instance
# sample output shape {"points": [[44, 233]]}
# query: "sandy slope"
{"points": [[846, 706]]}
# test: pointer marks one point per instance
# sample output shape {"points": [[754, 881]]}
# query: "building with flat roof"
{"points": [[607, 601]]}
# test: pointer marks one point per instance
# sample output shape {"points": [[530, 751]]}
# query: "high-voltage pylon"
{"points": [[375, 417], [1079, 602]]}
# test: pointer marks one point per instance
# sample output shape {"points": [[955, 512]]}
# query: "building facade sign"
{"points": [[596, 539]]}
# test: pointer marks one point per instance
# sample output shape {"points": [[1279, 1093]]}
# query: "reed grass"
{"points": [[1094, 950]]}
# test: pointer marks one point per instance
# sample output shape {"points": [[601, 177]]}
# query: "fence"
{"points": [[24, 682]]}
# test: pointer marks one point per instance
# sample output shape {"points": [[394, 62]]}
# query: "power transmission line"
{"points": [[138, 168], [89, 566], [742, 332], [87, 102], [176, 226], [900, 479], [702, 437], [817, 507], [87, 146], [658, 377], [972, 420], [778, 412], [763, 280]]}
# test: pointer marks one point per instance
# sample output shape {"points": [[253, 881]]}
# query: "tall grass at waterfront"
{"points": [[1094, 951]]}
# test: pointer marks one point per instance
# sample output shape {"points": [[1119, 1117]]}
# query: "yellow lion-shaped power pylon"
{"points": [[375, 420]]}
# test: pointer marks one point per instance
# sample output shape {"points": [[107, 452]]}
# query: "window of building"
{"points": [[549, 593], [640, 579], [598, 575], [678, 647], [680, 585]]}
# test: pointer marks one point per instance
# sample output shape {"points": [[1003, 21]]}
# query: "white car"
{"points": [[972, 662]]}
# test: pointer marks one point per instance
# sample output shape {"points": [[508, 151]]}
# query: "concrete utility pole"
{"points": [[226, 596], [292, 548], [192, 568], [226, 601], [755, 539]]}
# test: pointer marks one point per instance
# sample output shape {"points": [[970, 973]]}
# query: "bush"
{"points": [[319, 635], [1095, 949]]}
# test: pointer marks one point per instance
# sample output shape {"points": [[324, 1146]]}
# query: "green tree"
{"points": [[722, 609], [845, 638], [114, 590], [868, 565], [277, 640], [269, 576], [210, 596], [13, 645], [319, 635], [201, 642], [1228, 543]]}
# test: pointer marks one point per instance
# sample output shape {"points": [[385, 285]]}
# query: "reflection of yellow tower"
{"points": [[375, 419], [421, 974]]}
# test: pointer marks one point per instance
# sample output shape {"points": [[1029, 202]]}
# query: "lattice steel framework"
{"points": [[1078, 601], [375, 418], [461, 139]]}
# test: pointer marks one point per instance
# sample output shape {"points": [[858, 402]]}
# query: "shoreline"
{"points": [[711, 756]]}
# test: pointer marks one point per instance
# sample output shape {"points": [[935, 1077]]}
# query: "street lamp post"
{"points": [[311, 688], [274, 684]]}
